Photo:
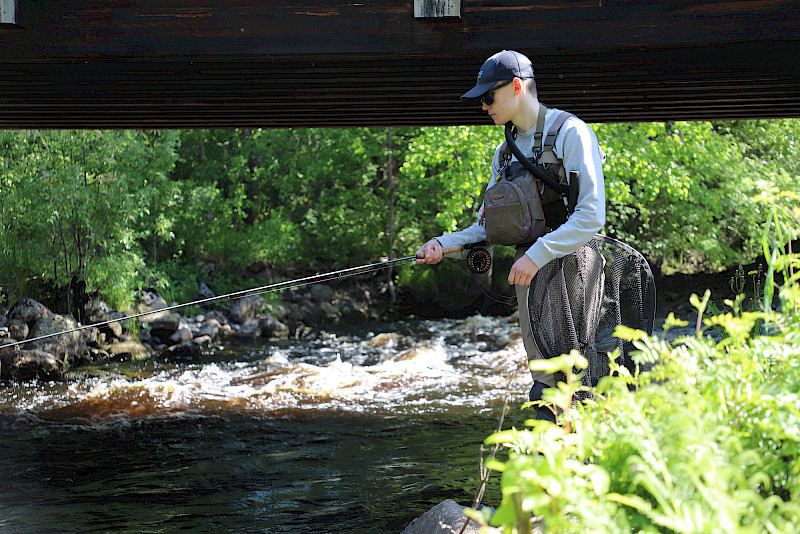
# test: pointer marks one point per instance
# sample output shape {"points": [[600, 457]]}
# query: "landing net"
{"points": [[577, 301]]}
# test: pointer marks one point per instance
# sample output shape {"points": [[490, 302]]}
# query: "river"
{"points": [[356, 431]]}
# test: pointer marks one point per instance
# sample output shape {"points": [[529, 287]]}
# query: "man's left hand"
{"points": [[523, 271]]}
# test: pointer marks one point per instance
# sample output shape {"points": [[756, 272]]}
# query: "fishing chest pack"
{"points": [[531, 196]]}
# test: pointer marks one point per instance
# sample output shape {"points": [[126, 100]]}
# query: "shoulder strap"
{"points": [[537, 135], [550, 139], [504, 148]]}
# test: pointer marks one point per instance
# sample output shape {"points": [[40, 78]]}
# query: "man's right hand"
{"points": [[430, 252]]}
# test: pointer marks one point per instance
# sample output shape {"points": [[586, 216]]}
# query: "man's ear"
{"points": [[518, 86]]}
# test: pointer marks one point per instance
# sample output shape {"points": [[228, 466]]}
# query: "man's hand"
{"points": [[430, 252], [522, 272]]}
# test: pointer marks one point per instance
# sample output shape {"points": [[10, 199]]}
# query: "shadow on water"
{"points": [[292, 472]]}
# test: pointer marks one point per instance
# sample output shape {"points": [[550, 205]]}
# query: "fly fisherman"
{"points": [[507, 92]]}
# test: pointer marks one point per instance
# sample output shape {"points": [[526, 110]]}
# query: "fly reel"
{"points": [[479, 260]]}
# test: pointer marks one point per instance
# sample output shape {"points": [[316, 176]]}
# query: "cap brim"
{"points": [[477, 91]]}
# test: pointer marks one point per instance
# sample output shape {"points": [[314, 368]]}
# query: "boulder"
{"points": [[320, 293], [202, 341], [91, 336], [145, 336], [205, 292], [318, 314], [150, 300], [182, 335], [97, 355], [271, 327], [447, 517], [389, 340], [153, 315], [162, 325], [29, 311], [120, 318], [210, 328], [17, 329], [111, 329], [127, 350], [280, 311], [246, 308], [30, 365], [69, 344], [217, 316], [96, 305], [250, 329], [354, 312], [184, 351]]}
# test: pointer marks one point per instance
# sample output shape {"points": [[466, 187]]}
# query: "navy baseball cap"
{"points": [[505, 65]]}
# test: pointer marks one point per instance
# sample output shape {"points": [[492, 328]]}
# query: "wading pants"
{"points": [[527, 336]]}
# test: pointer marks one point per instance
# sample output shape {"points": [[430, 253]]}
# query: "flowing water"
{"points": [[352, 432]]}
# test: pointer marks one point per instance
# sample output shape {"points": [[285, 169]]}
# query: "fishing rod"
{"points": [[478, 259]]}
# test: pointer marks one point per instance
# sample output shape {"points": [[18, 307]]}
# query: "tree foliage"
{"points": [[124, 208], [683, 193], [71, 205]]}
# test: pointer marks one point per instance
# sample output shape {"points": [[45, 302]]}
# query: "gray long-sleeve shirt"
{"points": [[577, 146]]}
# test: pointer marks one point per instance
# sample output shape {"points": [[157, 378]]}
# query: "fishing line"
{"points": [[485, 471], [279, 286], [486, 288]]}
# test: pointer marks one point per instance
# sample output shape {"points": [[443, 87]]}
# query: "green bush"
{"points": [[686, 193], [708, 440], [76, 204]]}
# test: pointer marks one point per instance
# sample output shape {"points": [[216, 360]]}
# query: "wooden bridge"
{"points": [[300, 63]]}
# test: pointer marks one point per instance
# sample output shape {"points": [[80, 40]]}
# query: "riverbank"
{"points": [[304, 312]]}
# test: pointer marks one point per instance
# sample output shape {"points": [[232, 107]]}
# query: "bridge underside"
{"points": [[236, 63]]}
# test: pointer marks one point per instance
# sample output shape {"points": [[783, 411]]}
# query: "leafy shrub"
{"points": [[74, 204], [685, 193], [708, 440]]}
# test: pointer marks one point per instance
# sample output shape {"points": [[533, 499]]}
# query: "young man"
{"points": [[507, 92]]}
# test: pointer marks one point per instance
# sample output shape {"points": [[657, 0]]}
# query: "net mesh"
{"points": [[577, 301]]}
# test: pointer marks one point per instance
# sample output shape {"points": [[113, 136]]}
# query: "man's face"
{"points": [[503, 101]]}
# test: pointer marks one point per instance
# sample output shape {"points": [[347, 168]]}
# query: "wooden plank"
{"points": [[90, 28], [176, 63]]}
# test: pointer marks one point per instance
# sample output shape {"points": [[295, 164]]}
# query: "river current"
{"points": [[351, 432]]}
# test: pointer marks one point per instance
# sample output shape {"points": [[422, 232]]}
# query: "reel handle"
{"points": [[458, 248], [449, 250]]}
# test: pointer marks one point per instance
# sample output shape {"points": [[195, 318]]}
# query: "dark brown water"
{"points": [[356, 433]]}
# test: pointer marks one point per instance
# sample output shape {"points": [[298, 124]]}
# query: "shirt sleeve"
{"points": [[578, 147]]}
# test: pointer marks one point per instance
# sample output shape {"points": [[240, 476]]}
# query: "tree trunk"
{"points": [[389, 176]]}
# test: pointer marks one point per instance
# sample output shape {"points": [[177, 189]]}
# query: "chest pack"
{"points": [[531, 196]]}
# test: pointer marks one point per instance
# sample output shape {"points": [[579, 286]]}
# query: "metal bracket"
{"points": [[8, 11], [437, 9]]}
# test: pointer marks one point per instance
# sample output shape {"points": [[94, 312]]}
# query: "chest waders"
{"points": [[574, 302]]}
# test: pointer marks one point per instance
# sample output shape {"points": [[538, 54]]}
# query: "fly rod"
{"points": [[278, 286]]}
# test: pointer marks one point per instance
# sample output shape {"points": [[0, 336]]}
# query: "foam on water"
{"points": [[433, 365]]}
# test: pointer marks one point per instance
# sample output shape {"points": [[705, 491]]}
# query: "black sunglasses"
{"points": [[487, 97]]}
